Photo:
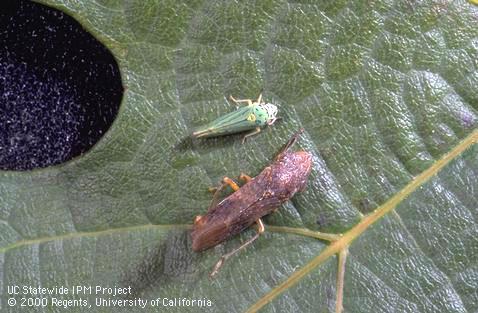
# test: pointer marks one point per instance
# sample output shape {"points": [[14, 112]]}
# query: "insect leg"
{"points": [[197, 219], [252, 133], [228, 181], [273, 121], [259, 99], [215, 197], [245, 177], [237, 101], [260, 230]]}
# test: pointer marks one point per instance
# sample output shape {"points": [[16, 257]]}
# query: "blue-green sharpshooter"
{"points": [[252, 117]]}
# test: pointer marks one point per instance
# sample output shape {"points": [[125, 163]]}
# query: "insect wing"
{"points": [[237, 121], [235, 213]]}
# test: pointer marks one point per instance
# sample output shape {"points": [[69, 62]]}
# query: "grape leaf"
{"points": [[385, 91]]}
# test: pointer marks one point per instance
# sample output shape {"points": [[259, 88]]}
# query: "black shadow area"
{"points": [[60, 88]]}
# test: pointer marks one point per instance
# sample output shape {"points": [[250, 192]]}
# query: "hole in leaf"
{"points": [[60, 88]]}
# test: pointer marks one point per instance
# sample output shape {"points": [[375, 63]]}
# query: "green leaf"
{"points": [[385, 90]]}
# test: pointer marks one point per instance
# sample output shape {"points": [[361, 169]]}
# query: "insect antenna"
{"points": [[215, 196], [290, 143]]}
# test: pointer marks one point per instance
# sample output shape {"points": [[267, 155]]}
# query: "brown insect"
{"points": [[260, 196]]}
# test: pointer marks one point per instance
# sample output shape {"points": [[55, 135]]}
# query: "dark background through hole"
{"points": [[60, 89]]}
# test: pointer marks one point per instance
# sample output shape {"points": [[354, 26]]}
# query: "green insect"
{"points": [[255, 115]]}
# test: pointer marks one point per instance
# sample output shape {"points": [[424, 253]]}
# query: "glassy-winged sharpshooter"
{"points": [[260, 196], [252, 117]]}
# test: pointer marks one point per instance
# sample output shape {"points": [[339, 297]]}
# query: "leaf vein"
{"points": [[365, 223]]}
